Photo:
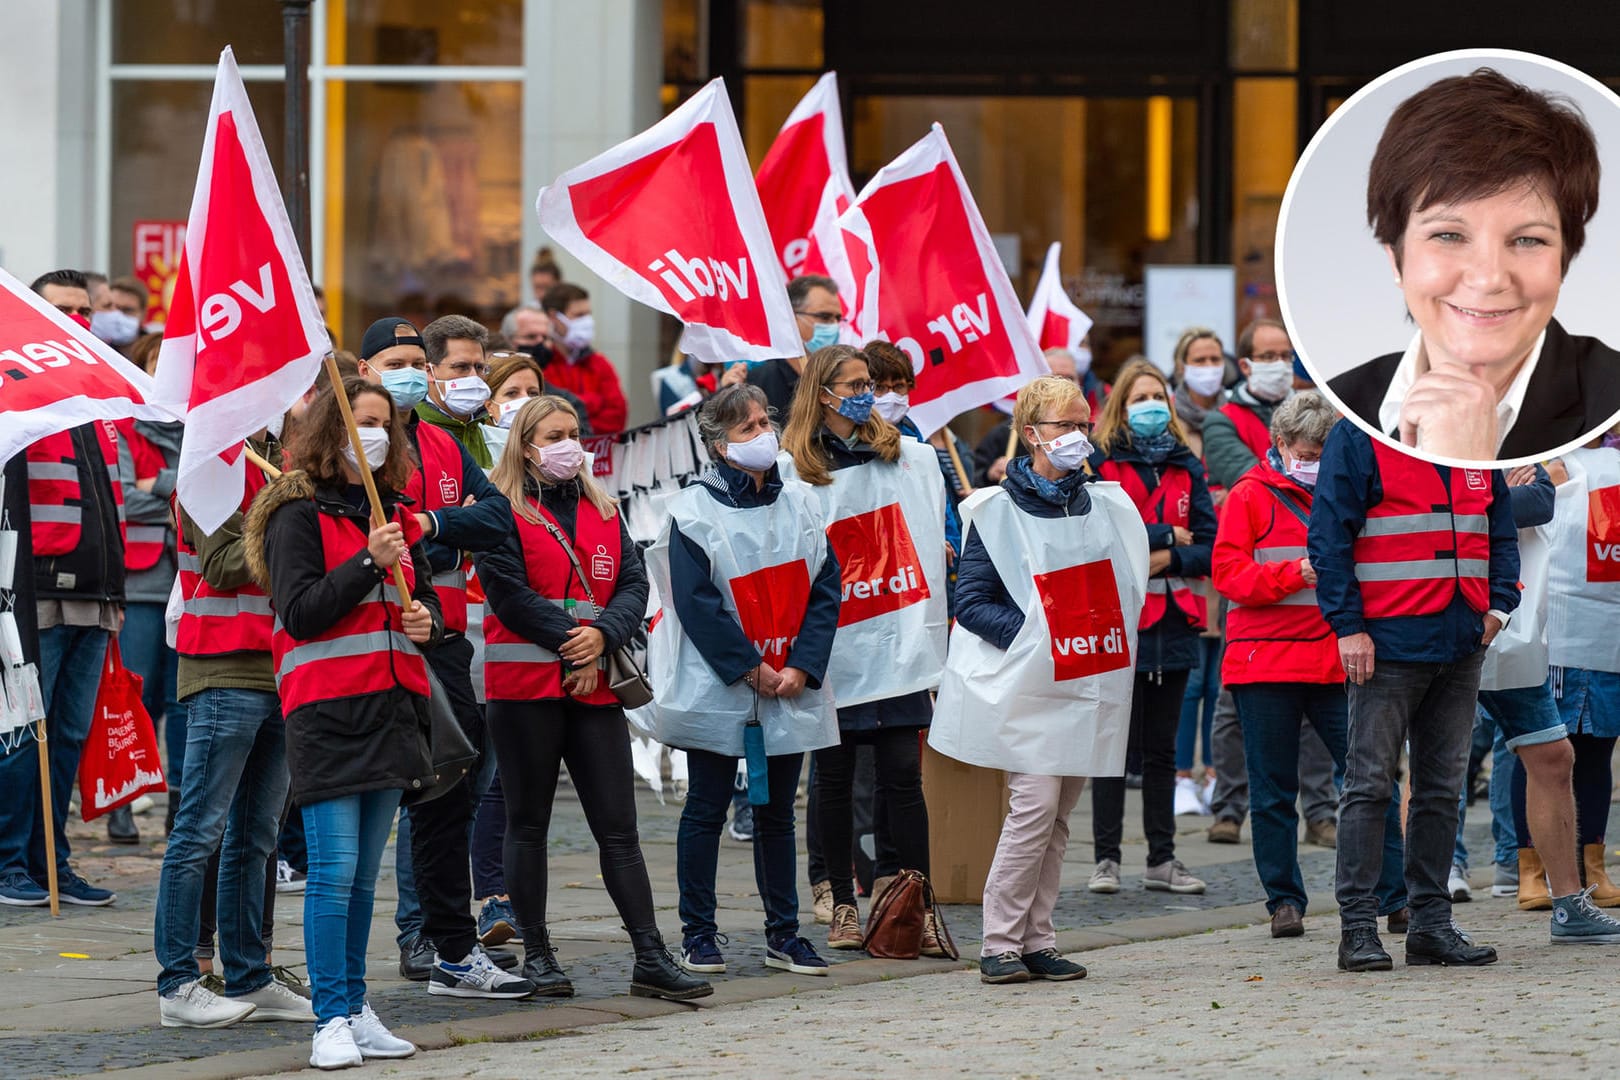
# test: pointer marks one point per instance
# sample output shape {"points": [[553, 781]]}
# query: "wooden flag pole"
{"points": [[1012, 441], [268, 469], [377, 520], [956, 461], [50, 822]]}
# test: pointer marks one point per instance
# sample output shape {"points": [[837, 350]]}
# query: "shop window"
{"points": [[769, 99], [1264, 133], [429, 32], [782, 34], [1265, 35], [195, 31]]}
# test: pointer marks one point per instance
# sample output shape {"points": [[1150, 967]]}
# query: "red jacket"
{"points": [[595, 381], [1275, 633]]}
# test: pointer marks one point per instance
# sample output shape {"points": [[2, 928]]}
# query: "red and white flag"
{"points": [[804, 185], [671, 219], [1057, 321], [244, 338], [947, 300], [55, 374]]}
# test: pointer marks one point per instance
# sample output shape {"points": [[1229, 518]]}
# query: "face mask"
{"points": [[560, 460], [1205, 379], [462, 397], [892, 407], [1067, 452], [856, 407], [1148, 418], [1304, 472], [114, 327], [538, 353], [757, 454], [407, 386], [579, 333], [374, 441], [821, 337], [1271, 380], [509, 409], [1082, 362]]}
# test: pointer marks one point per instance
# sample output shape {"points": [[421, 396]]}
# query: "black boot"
{"points": [[657, 975], [121, 827], [541, 968]]}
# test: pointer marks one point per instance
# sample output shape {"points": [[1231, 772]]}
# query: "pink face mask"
{"points": [[560, 460]]}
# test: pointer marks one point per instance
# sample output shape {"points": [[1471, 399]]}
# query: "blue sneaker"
{"points": [[796, 955], [741, 828], [701, 954], [75, 890], [497, 923], [18, 890], [1578, 921]]}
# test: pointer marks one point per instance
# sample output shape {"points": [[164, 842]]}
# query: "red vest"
{"points": [[439, 485], [1168, 504], [216, 622], [515, 668], [1296, 617], [366, 650], [1421, 544], [143, 544], [55, 500], [1250, 428]]}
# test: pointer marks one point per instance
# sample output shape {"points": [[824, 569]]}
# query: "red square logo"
{"points": [[771, 605], [1083, 615], [878, 562], [1603, 534]]}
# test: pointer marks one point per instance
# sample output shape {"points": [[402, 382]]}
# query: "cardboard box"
{"points": [[966, 806]]}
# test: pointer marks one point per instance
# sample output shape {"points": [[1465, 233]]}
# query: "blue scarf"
{"points": [[1056, 492], [1155, 448]]}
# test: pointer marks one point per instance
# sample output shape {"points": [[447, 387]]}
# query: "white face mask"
{"points": [[1082, 362], [115, 328], [1067, 452], [462, 397], [1270, 380], [892, 407], [1205, 379], [578, 333], [1303, 472], [374, 440], [509, 409], [757, 454]]}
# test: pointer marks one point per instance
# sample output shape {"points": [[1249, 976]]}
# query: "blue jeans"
{"points": [[70, 663], [408, 910], [231, 802], [346, 837], [1271, 715], [1203, 690], [1501, 797], [147, 654], [712, 782]]}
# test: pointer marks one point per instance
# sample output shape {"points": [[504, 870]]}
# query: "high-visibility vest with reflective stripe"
{"points": [[366, 650], [438, 485], [217, 622], [515, 668], [1296, 616], [1250, 428], [56, 499], [1423, 543], [143, 544], [1168, 504]]}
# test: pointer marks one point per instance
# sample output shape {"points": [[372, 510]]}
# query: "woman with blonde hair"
{"points": [[1143, 447], [566, 588], [883, 506]]}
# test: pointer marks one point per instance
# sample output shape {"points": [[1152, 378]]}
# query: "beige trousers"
{"points": [[1022, 888]]}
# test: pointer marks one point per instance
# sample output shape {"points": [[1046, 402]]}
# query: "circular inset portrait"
{"points": [[1442, 264]]}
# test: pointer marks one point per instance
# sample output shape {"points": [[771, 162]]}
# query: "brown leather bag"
{"points": [[894, 929]]}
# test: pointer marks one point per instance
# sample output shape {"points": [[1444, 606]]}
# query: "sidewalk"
{"points": [[62, 1016]]}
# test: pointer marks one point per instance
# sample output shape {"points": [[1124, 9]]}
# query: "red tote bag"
{"points": [[120, 759]]}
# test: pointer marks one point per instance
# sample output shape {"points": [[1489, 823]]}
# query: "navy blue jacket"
{"points": [[1171, 644], [1346, 486], [1533, 502], [701, 608], [983, 604], [482, 526]]}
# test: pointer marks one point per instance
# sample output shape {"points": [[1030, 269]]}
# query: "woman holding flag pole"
{"points": [[883, 507]]}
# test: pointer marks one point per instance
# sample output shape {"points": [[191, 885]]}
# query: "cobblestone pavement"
{"points": [[62, 1015]]}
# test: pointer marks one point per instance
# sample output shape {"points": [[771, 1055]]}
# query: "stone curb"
{"points": [[547, 1022]]}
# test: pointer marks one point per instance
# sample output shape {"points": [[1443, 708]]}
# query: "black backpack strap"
{"points": [[1290, 504]]}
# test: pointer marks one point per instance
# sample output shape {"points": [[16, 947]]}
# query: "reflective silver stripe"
{"points": [[52, 470], [450, 579], [1303, 598], [147, 534], [227, 606], [59, 515], [1474, 568], [1160, 585], [1473, 523], [1264, 556], [518, 652], [343, 648], [1423, 570], [188, 562], [1401, 524]]}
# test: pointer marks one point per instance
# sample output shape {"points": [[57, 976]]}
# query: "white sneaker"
{"points": [[1461, 891], [142, 805], [1206, 793], [1187, 800], [1105, 879], [374, 1040], [273, 1001], [334, 1046], [289, 880], [476, 976], [192, 1006]]}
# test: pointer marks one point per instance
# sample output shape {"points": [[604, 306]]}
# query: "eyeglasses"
{"points": [[1066, 427], [464, 368], [856, 386], [1271, 357], [825, 318]]}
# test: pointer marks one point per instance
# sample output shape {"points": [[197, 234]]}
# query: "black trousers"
{"points": [[532, 739], [897, 757], [1155, 715], [440, 829]]}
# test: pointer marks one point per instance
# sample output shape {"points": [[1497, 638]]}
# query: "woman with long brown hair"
{"points": [[883, 507]]}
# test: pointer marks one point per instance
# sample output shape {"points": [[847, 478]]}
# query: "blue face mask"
{"points": [[407, 386], [856, 407], [1148, 418], [822, 336]]}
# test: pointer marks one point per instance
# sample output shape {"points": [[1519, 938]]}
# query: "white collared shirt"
{"points": [[1415, 361]]}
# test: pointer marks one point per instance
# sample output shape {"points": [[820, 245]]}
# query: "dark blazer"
{"points": [[1575, 391]]}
